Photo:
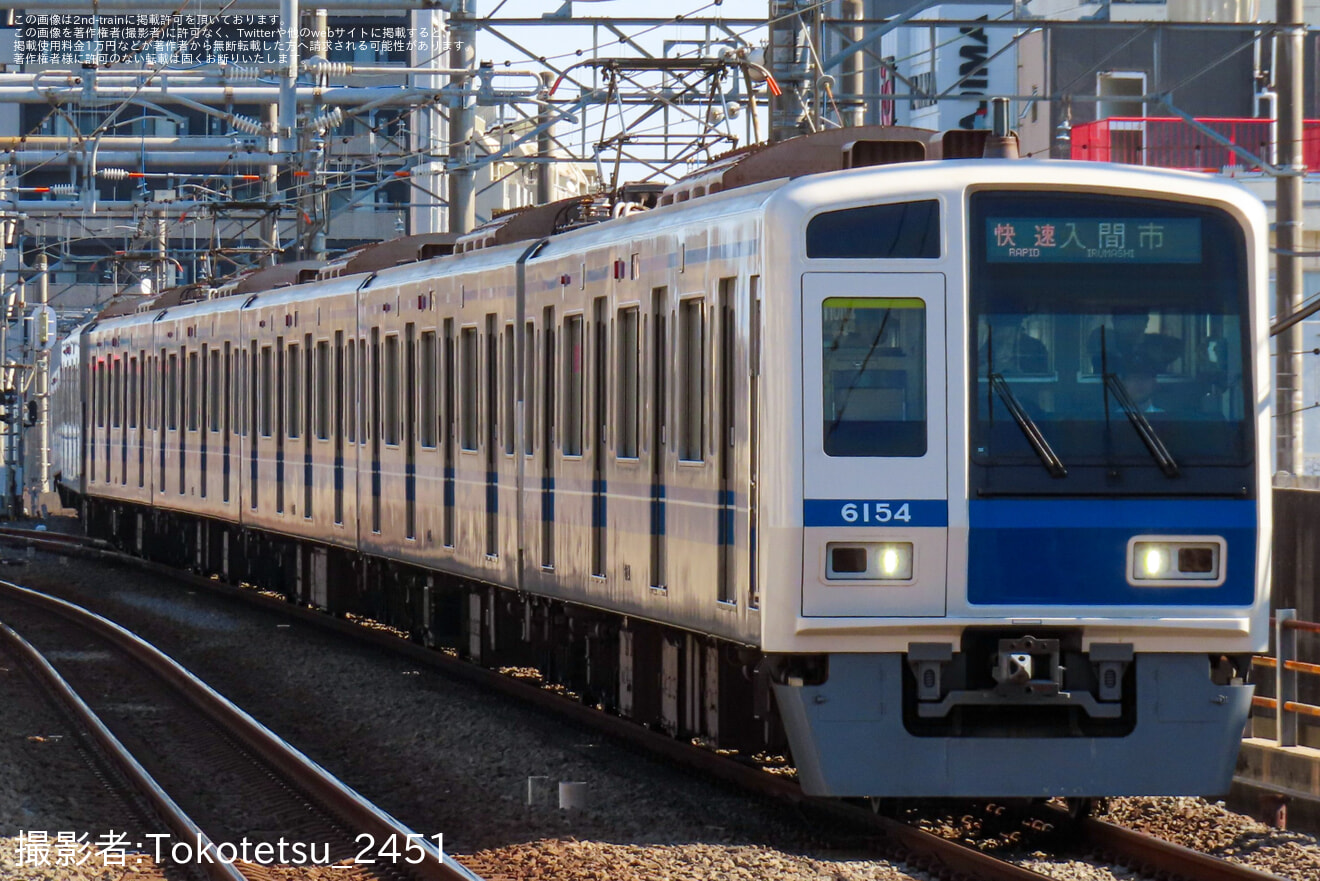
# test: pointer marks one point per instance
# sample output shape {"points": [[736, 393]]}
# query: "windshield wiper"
{"points": [[1145, 430], [1053, 464]]}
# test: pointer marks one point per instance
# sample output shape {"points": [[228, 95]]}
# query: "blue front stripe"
{"points": [[1074, 551]]}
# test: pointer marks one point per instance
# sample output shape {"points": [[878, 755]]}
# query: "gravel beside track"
{"points": [[1211, 828], [446, 757], [50, 781]]}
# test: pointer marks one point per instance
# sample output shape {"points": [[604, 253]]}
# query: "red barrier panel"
{"points": [[1170, 142]]}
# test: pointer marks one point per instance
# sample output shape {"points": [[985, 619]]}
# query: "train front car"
{"points": [[1034, 522]]}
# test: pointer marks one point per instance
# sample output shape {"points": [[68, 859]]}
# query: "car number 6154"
{"points": [[875, 512]]}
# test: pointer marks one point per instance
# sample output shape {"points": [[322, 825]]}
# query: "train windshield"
{"points": [[1110, 348]]}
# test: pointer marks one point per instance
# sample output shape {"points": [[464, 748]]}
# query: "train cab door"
{"points": [[875, 486]]}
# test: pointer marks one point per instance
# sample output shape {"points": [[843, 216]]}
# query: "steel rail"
{"points": [[329, 791], [1156, 856], [166, 809]]}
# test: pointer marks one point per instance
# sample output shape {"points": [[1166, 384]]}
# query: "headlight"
{"points": [[868, 561], [1176, 561]]}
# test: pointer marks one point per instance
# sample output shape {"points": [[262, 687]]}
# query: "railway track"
{"points": [[238, 802], [904, 842]]}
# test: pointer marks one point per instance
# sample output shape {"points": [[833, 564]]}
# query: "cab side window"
{"points": [[874, 376]]}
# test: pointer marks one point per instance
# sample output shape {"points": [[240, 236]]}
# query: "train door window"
{"points": [[726, 424], [509, 404], [573, 374], [874, 376], [226, 386], [629, 399], [429, 369], [468, 417], [240, 389], [349, 399], [207, 417], [599, 427], [492, 434], [529, 388], [659, 396], [254, 426], [140, 414], [323, 389], [374, 429], [692, 379], [448, 437], [132, 415], [293, 372], [116, 393], [549, 386], [410, 428], [492, 388], [172, 393], [148, 375], [281, 417], [267, 396], [391, 391], [339, 397], [308, 398], [215, 390], [194, 398], [204, 402], [95, 386], [754, 439]]}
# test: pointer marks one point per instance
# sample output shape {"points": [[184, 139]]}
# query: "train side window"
{"points": [[468, 416], [323, 389], [430, 396], [902, 230], [573, 371], [267, 390], [874, 376], [692, 379], [629, 356], [293, 375]]}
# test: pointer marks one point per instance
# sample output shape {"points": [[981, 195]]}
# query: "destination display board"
{"points": [[1093, 240]]}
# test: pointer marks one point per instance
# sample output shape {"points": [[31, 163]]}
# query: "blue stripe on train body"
{"points": [[1074, 551], [875, 512]]}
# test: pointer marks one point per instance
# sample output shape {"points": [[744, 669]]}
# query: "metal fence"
{"points": [[1287, 707], [1171, 142]]}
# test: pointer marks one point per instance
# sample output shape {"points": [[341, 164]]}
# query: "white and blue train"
{"points": [[950, 475]]}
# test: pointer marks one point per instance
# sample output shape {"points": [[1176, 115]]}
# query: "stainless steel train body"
{"points": [[866, 439]]}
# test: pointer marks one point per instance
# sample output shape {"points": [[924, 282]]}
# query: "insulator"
{"points": [[247, 124], [112, 173], [234, 72], [64, 189], [329, 68], [327, 120]]}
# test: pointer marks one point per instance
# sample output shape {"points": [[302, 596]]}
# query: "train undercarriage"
{"points": [[687, 684]]}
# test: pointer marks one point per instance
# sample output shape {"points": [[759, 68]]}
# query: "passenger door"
{"points": [[875, 497]]}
